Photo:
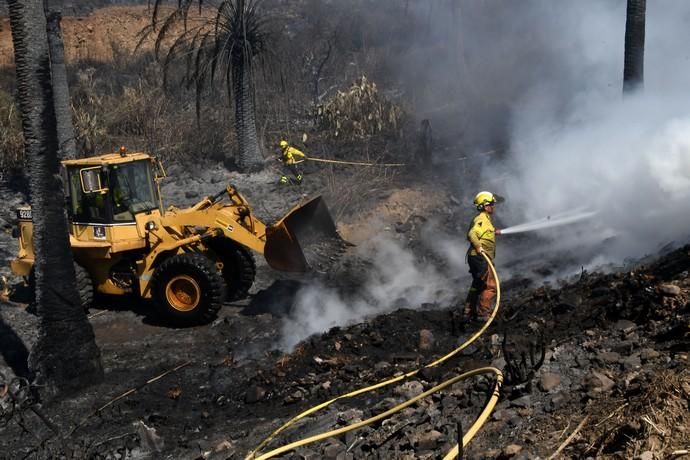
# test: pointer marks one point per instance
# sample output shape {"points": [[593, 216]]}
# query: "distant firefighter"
{"points": [[291, 157]]}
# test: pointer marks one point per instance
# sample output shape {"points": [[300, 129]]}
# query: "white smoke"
{"points": [[396, 277], [627, 157]]}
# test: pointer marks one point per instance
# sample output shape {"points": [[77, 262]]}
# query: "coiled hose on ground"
{"points": [[453, 453]]}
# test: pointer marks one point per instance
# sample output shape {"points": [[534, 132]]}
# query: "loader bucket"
{"points": [[291, 240]]}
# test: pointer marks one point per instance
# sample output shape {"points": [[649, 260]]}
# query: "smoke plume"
{"points": [[625, 156], [395, 279]]}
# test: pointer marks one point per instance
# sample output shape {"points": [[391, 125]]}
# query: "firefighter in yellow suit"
{"points": [[291, 157], [482, 238]]}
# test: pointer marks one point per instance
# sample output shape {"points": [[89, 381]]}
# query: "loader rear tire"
{"points": [[239, 267], [84, 286], [187, 289]]}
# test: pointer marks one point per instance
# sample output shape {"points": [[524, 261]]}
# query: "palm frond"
{"points": [[230, 40]]}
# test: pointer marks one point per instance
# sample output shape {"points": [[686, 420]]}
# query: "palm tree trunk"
{"points": [[633, 70], [63, 106], [245, 115], [65, 356]]}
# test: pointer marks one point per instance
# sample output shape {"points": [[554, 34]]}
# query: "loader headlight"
{"points": [[150, 226]]}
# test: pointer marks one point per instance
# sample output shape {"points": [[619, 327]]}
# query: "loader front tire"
{"points": [[239, 267], [187, 289]]}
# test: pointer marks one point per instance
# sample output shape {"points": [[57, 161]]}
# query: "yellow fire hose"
{"points": [[453, 453], [356, 163], [389, 165]]}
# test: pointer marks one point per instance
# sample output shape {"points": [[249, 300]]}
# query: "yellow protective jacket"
{"points": [[292, 156], [482, 234]]}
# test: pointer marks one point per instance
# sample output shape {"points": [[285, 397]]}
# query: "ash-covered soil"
{"points": [[599, 360]]}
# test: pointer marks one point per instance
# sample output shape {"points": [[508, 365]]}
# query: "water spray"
{"points": [[556, 220]]}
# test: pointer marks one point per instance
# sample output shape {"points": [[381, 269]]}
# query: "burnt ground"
{"points": [[614, 380]]}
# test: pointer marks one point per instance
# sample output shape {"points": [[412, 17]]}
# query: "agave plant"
{"points": [[220, 46]]}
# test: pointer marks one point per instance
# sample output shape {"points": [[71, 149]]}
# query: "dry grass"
{"points": [[655, 420], [359, 112], [11, 138], [349, 194]]}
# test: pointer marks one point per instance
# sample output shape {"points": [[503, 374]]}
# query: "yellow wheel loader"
{"points": [[187, 261]]}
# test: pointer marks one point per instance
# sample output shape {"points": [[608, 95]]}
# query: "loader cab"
{"points": [[110, 194]]}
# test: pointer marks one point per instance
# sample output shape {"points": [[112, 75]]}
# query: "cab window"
{"points": [[85, 207]]}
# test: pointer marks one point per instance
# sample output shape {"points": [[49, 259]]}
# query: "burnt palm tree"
{"points": [[63, 106], [224, 46], [633, 69], [65, 356]]}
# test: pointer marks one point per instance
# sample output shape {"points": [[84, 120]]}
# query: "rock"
{"points": [[449, 402], [382, 366], [426, 340], [625, 325], [409, 389], [624, 347], [581, 362], [631, 362], [254, 394], [307, 454], [511, 450], [523, 401], [498, 415], [648, 354], [669, 290], [599, 383], [333, 449], [647, 455], [294, 397], [492, 453], [499, 363], [350, 416], [191, 194], [376, 339], [149, 440], [223, 449], [548, 381], [609, 357], [431, 374], [556, 402], [429, 440], [385, 404]]}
